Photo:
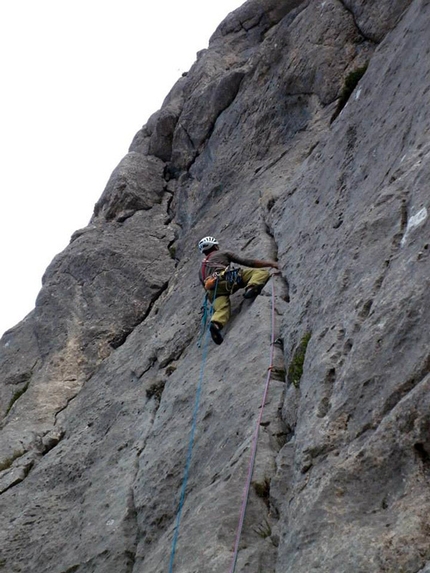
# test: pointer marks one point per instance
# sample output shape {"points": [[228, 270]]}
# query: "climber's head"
{"points": [[207, 244]]}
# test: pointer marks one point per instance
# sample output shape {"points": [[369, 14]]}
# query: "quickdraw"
{"points": [[233, 277]]}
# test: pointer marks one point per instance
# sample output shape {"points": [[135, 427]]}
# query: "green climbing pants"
{"points": [[221, 304]]}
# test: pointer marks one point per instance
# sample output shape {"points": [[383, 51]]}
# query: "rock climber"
{"points": [[220, 281]]}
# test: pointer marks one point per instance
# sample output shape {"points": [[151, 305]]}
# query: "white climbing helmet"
{"points": [[207, 243]]}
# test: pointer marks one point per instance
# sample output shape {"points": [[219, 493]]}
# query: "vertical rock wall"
{"points": [[262, 145]]}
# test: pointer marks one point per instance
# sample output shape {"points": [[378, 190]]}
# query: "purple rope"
{"points": [[245, 495]]}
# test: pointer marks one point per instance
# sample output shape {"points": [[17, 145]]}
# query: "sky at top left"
{"points": [[79, 80]]}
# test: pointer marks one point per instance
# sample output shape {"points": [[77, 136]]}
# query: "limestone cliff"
{"points": [[302, 134]]}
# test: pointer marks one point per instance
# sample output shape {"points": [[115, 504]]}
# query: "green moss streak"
{"points": [[295, 370]]}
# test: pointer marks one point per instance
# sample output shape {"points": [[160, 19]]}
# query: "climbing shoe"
{"points": [[216, 333], [252, 291]]}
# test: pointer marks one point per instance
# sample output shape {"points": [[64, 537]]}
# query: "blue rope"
{"points": [[193, 431], [204, 321]]}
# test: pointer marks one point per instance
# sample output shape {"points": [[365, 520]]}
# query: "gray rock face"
{"points": [[256, 146]]}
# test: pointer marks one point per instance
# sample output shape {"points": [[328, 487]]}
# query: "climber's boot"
{"points": [[215, 330], [252, 291]]}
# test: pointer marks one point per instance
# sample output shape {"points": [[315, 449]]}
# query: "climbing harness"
{"points": [[245, 495], [230, 278], [192, 433]]}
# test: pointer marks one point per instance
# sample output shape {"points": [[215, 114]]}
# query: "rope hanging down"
{"points": [[205, 325], [245, 495]]}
